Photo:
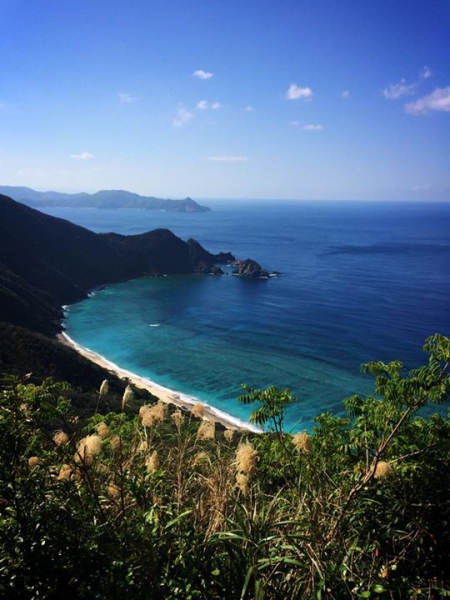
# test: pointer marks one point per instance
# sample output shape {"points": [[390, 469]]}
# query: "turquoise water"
{"points": [[359, 282]]}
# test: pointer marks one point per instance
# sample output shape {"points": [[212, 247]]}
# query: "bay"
{"points": [[360, 281]]}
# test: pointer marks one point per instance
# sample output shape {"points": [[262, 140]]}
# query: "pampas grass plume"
{"points": [[104, 388], [33, 461], [177, 418], [116, 442], [206, 430], [228, 434], [198, 410], [89, 447], [383, 470], [246, 459], [93, 444], [302, 442], [152, 462], [242, 483], [127, 395], [143, 446], [102, 430], [113, 490], [60, 437], [152, 414], [64, 473]]}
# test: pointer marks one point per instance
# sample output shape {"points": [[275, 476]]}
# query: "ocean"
{"points": [[359, 281]]}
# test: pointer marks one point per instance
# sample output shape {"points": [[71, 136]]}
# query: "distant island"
{"points": [[101, 199]]}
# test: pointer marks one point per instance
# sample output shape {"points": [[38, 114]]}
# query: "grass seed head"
{"points": [[127, 395], [302, 442], [33, 462], [206, 430], [152, 462], [198, 410], [246, 459], [242, 483], [177, 418], [103, 430], [143, 446], [64, 473], [228, 434], [116, 442], [113, 490], [104, 388]]}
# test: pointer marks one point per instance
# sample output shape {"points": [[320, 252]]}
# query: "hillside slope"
{"points": [[46, 262]]}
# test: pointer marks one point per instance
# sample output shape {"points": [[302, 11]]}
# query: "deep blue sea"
{"points": [[360, 281]]}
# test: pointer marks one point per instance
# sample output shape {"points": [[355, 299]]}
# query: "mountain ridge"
{"points": [[104, 199]]}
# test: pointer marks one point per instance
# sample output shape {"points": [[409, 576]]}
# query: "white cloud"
{"points": [[225, 158], [82, 156], [249, 109], [311, 127], [183, 116], [421, 188], [439, 101], [345, 95], [205, 105], [397, 90], [425, 73], [296, 92], [202, 74], [126, 98], [294, 123]]}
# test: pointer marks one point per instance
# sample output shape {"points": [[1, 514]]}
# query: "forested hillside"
{"points": [[46, 262]]}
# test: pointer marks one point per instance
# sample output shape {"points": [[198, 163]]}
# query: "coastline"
{"points": [[162, 393]]}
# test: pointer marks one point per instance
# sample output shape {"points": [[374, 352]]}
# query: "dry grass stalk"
{"points": [[302, 442], [127, 395], [383, 470], [152, 462], [102, 430], [206, 430], [198, 410], [104, 388], [60, 438]]}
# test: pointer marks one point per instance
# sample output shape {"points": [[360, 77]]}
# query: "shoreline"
{"points": [[162, 393]]}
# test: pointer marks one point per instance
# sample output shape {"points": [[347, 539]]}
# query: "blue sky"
{"points": [[285, 99]]}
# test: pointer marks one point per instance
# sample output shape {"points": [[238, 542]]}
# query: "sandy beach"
{"points": [[164, 394]]}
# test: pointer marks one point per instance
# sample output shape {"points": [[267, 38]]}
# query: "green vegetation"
{"points": [[163, 505]]}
